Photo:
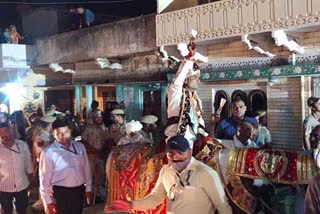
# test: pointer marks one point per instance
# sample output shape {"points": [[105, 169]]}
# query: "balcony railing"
{"points": [[230, 18], [13, 56]]}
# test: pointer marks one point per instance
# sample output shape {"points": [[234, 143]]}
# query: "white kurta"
{"points": [[175, 93]]}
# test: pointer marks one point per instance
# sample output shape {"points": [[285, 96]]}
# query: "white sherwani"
{"points": [[175, 94]]}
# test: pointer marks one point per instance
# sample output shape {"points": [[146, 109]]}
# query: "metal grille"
{"points": [[316, 86]]}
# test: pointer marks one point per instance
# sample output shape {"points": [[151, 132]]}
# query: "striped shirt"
{"points": [[15, 165], [66, 167]]}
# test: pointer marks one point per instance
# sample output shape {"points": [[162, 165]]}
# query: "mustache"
{"points": [[177, 161]]}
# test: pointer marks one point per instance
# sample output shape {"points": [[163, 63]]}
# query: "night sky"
{"points": [[11, 13]]}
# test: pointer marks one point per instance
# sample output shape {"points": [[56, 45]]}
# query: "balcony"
{"points": [[231, 18], [14, 57], [122, 38]]}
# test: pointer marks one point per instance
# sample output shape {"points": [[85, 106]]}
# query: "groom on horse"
{"points": [[184, 106]]}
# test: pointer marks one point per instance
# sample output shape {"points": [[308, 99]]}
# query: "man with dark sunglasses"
{"points": [[15, 172], [189, 185], [64, 172]]}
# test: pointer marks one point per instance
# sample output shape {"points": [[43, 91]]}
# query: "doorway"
{"points": [[63, 99]]}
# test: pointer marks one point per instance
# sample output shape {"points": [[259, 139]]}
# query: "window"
{"points": [[257, 100], [240, 94], [316, 86]]}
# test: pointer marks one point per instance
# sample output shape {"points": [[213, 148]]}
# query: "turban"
{"points": [[133, 126]]}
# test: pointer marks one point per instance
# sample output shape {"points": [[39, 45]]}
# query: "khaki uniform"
{"points": [[117, 132], [95, 138]]}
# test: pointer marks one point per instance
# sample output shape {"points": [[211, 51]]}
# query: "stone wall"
{"points": [[127, 37]]}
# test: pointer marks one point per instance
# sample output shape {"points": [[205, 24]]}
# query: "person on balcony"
{"points": [[6, 35], [14, 35], [311, 121], [87, 17], [74, 18]]}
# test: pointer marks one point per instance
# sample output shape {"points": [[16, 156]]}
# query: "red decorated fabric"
{"points": [[134, 174], [278, 166]]}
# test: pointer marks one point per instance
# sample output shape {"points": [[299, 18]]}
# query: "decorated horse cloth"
{"points": [[133, 174], [276, 166], [285, 169], [135, 169]]}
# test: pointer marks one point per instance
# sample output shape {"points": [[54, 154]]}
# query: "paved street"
{"points": [[98, 208]]}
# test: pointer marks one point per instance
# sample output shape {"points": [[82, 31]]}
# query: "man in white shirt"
{"points": [[184, 106], [15, 172], [64, 172], [189, 185], [243, 138], [311, 121]]}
